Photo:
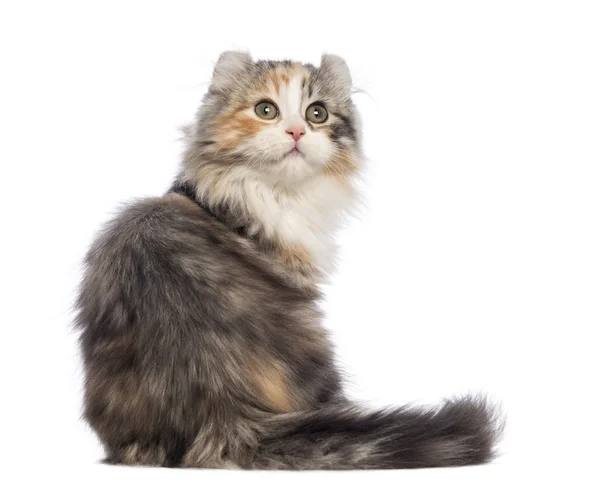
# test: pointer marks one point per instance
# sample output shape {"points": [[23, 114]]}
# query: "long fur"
{"points": [[459, 432], [201, 333]]}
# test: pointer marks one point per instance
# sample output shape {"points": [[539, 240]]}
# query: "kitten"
{"points": [[200, 332]]}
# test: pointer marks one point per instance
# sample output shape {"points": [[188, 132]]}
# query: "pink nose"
{"points": [[296, 133]]}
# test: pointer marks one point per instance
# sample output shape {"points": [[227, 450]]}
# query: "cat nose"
{"points": [[296, 133]]}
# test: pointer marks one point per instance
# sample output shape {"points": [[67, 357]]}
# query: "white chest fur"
{"points": [[305, 215]]}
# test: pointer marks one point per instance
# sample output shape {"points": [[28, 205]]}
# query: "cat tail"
{"points": [[459, 432]]}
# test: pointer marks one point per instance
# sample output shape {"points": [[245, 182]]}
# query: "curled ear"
{"points": [[338, 68], [228, 68]]}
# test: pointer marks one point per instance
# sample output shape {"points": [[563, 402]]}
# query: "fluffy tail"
{"points": [[460, 432]]}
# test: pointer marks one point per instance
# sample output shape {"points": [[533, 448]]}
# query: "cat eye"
{"points": [[316, 113], [266, 110]]}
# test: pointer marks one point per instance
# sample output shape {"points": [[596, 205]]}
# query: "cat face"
{"points": [[280, 121]]}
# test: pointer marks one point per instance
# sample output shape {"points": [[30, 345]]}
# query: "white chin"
{"points": [[293, 167]]}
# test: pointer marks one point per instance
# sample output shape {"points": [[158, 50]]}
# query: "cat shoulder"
{"points": [[159, 220]]}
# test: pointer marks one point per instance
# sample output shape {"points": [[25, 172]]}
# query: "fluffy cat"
{"points": [[200, 331]]}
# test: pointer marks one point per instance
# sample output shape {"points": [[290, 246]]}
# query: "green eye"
{"points": [[266, 110], [316, 113]]}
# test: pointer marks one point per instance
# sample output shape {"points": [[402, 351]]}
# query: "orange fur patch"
{"points": [[238, 125], [295, 257], [297, 67], [275, 81], [274, 387], [285, 78]]}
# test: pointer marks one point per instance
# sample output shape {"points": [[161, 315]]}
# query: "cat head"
{"points": [[279, 121]]}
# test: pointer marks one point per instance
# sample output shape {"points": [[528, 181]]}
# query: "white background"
{"points": [[474, 267]]}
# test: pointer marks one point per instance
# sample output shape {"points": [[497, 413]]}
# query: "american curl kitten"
{"points": [[201, 335]]}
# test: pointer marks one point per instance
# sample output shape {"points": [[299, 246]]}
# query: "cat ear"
{"points": [[228, 68], [339, 69]]}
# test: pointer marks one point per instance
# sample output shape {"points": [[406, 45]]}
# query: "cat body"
{"points": [[201, 335]]}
